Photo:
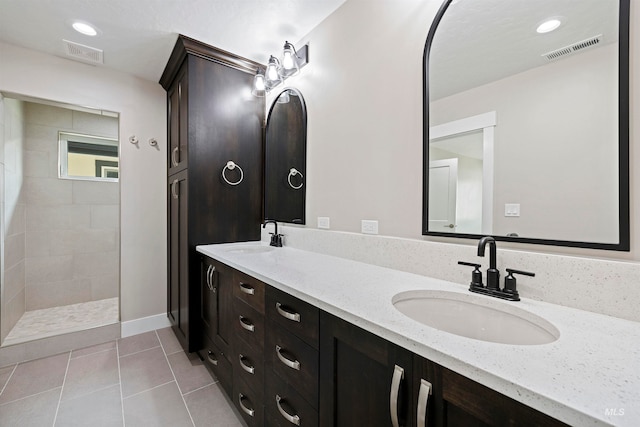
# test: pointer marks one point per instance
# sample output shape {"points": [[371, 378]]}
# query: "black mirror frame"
{"points": [[623, 145], [304, 152]]}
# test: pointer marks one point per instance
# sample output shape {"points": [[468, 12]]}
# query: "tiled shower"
{"points": [[60, 241]]}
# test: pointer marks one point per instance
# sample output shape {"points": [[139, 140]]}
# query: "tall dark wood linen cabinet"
{"points": [[212, 119]]}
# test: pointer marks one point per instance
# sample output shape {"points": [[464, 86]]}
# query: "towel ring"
{"points": [[294, 172], [231, 166]]}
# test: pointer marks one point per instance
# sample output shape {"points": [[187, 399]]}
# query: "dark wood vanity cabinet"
{"points": [[210, 123]]}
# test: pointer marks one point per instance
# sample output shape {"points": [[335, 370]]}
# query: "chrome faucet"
{"points": [[276, 239], [493, 274]]}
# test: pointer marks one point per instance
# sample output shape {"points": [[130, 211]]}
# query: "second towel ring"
{"points": [[231, 166], [294, 172]]}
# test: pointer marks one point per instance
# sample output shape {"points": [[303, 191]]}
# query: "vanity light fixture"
{"points": [[84, 28], [548, 25], [278, 70]]}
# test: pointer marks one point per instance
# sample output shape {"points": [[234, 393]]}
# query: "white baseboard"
{"points": [[144, 324]]}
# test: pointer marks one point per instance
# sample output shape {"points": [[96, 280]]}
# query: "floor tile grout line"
{"points": [[200, 388], [31, 395], [9, 379], [120, 384], [176, 380], [140, 351], [64, 380], [149, 389], [90, 354]]}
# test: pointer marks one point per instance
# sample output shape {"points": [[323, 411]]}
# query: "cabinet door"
{"points": [[178, 274], [216, 301], [177, 98], [364, 379]]}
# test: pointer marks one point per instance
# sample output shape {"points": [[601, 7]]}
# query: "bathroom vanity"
{"points": [[313, 339]]}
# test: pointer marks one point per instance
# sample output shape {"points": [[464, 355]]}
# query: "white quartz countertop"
{"points": [[590, 376]]}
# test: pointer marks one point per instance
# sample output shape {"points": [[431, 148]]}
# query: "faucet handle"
{"points": [[476, 274], [510, 282]]}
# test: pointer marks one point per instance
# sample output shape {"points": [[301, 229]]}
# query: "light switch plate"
{"points": [[323, 222], [369, 226], [512, 209]]}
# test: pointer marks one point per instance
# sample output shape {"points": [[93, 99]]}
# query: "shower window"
{"points": [[88, 157]]}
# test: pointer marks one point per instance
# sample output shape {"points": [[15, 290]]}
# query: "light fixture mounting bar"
{"points": [[302, 56]]}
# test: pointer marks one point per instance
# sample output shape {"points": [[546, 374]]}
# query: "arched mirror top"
{"points": [[526, 132]]}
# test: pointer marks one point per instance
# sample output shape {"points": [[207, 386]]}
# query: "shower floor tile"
{"points": [[48, 322]]}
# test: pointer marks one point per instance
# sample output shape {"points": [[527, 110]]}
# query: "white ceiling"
{"points": [[137, 36]]}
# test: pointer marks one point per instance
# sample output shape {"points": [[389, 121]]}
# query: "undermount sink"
{"points": [[250, 249], [475, 317]]}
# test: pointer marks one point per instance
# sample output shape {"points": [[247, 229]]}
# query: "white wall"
{"points": [[363, 90], [142, 106]]}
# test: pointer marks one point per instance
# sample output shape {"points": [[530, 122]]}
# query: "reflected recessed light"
{"points": [[84, 28], [548, 25]]}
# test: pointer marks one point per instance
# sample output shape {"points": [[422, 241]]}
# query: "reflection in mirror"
{"points": [[526, 133], [285, 159], [60, 268]]}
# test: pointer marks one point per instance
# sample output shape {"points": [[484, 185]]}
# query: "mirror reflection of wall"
{"points": [[285, 159], [61, 239], [556, 139]]}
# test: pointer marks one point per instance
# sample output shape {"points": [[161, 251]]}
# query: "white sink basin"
{"points": [[475, 317], [250, 249]]}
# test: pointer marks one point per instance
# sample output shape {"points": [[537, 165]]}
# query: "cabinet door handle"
{"points": [[246, 325], [246, 410], [398, 376], [423, 401], [287, 314], [174, 184], [174, 162], [249, 369], [293, 364], [211, 358], [247, 289], [293, 419], [210, 271]]}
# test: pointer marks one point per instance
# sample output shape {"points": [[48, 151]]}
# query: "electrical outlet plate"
{"points": [[323, 222], [369, 226]]}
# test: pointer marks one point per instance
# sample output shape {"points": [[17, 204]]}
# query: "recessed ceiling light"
{"points": [[548, 25], [84, 28]]}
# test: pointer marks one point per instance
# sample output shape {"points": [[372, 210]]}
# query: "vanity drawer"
{"points": [[294, 361], [248, 324], [249, 364], [249, 290], [296, 316], [217, 363], [282, 404], [249, 402]]}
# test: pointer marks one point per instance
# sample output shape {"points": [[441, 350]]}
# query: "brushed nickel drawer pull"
{"points": [[249, 369], [174, 193], [246, 325], [398, 376], [246, 410], [293, 419], [293, 364], [286, 314], [423, 401], [211, 358], [247, 289], [173, 156]]}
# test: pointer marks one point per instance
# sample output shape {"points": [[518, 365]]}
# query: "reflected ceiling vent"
{"points": [[83, 53], [576, 47]]}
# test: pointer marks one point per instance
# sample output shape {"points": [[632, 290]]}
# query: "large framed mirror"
{"points": [[285, 158], [526, 126]]}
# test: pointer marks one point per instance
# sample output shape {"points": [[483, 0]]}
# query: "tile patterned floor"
{"points": [[47, 322], [143, 380]]}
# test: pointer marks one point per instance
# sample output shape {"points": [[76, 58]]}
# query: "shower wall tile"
{"points": [[42, 138], [37, 164], [48, 269], [36, 244], [12, 310], [52, 294], [48, 191], [69, 242], [96, 193], [95, 265], [13, 280], [94, 124], [41, 114], [103, 287], [105, 216], [15, 220], [65, 217], [14, 249]]}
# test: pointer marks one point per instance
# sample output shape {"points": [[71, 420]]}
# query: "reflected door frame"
{"points": [[485, 122]]}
